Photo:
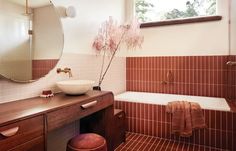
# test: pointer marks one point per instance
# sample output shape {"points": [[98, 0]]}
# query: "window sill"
{"points": [[181, 21]]}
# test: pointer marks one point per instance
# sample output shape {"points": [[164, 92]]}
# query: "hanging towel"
{"points": [[186, 116]]}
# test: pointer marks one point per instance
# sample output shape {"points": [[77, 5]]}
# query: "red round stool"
{"points": [[87, 142]]}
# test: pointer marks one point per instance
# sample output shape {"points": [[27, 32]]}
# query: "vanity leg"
{"points": [[108, 122]]}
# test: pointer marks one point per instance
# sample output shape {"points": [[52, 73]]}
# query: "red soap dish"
{"points": [[47, 93]]}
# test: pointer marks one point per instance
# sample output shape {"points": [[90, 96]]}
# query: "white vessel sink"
{"points": [[75, 87]]}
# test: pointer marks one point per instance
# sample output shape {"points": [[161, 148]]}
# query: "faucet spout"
{"points": [[65, 70]]}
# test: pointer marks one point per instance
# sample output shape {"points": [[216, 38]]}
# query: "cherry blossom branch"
{"points": [[103, 61], [112, 57]]}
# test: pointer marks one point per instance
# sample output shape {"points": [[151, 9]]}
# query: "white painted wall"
{"points": [[233, 27], [81, 30], [209, 38]]}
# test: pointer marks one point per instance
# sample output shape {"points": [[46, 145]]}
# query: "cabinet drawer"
{"points": [[120, 121], [69, 114], [60, 117], [21, 132], [119, 127], [34, 145]]}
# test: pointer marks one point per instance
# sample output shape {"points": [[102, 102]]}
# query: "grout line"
{"points": [[127, 140], [167, 146], [153, 144], [157, 145], [141, 144], [134, 140]]}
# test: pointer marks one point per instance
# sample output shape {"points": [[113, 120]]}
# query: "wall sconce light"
{"points": [[71, 11]]}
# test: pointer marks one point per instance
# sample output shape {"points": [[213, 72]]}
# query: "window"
{"points": [[164, 10]]}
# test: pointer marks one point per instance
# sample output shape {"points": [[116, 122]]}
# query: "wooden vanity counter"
{"points": [[24, 124]]}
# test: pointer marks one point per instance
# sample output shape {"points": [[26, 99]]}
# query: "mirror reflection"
{"points": [[31, 39]]}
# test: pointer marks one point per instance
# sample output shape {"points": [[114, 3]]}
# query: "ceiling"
{"points": [[32, 3]]}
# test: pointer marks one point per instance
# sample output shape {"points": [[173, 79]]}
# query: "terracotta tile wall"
{"points": [[192, 75], [153, 120], [41, 67], [231, 79]]}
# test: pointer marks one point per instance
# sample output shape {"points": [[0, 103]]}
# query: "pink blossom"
{"points": [[133, 38], [98, 43], [112, 44]]}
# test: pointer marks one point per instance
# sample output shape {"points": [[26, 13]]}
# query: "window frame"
{"points": [[197, 19], [181, 21]]}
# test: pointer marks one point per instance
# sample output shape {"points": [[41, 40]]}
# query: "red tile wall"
{"points": [[41, 67], [192, 75], [153, 120], [231, 81]]}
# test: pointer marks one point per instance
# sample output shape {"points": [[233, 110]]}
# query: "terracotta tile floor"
{"points": [[139, 142]]}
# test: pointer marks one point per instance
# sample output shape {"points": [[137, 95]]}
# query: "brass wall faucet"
{"points": [[169, 78], [65, 70]]}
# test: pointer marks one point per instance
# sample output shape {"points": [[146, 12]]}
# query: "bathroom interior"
{"points": [[140, 75]]}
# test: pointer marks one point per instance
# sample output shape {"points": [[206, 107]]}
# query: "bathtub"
{"points": [[146, 114], [210, 103]]}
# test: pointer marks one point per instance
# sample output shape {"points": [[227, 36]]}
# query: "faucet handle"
{"points": [[170, 76], [164, 82], [67, 69], [70, 74], [59, 70]]}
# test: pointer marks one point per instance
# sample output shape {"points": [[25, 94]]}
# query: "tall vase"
{"points": [[98, 88]]}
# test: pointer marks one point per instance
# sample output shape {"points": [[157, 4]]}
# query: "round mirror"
{"points": [[31, 39]]}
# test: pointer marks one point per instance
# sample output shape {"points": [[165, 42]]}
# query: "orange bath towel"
{"points": [[186, 116]]}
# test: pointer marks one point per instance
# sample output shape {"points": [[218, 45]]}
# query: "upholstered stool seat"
{"points": [[87, 142]]}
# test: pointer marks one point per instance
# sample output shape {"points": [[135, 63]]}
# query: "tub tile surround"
{"points": [[152, 120], [83, 66], [232, 79], [192, 75]]}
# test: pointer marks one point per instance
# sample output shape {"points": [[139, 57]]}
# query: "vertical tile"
{"points": [[224, 140], [207, 137], [234, 122], [218, 120], [159, 131], [138, 110], [213, 137], [213, 119], [230, 141], [218, 139], [163, 113], [202, 137], [159, 117], [142, 111], [229, 121], [223, 121]]}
